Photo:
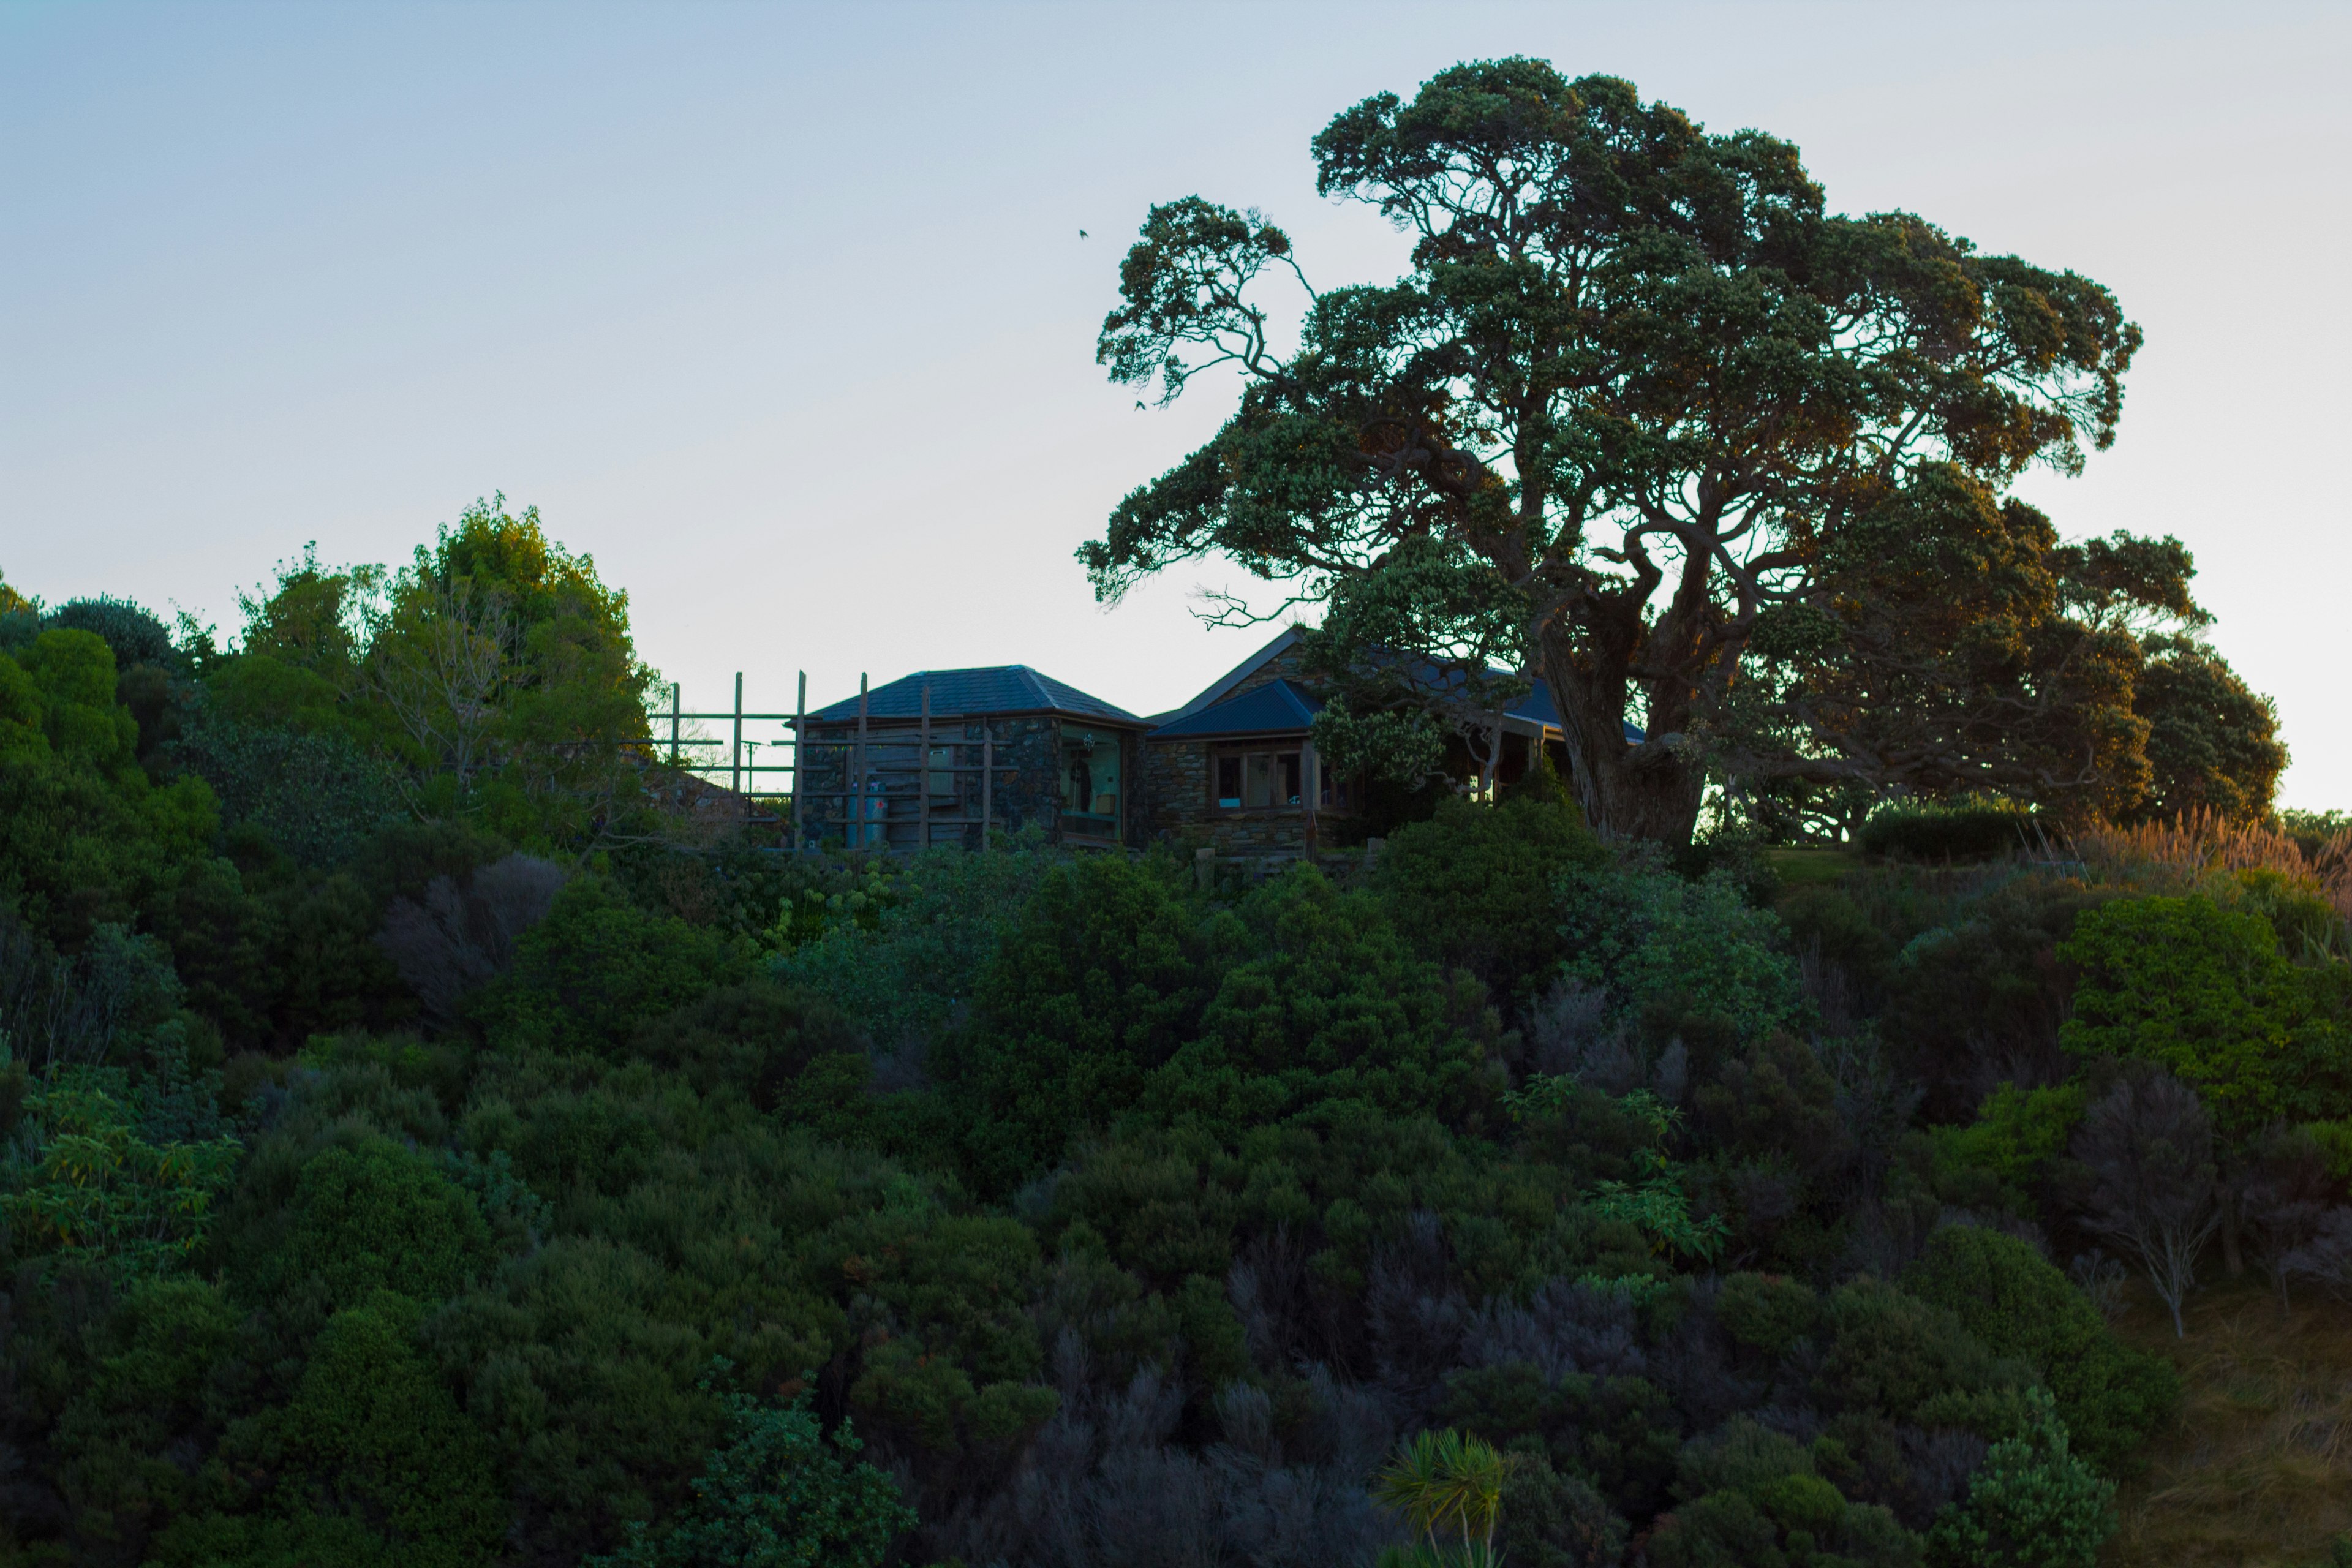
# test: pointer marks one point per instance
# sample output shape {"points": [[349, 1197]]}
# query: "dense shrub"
{"points": [[2205, 991], [1965, 830], [2109, 1397], [1668, 948], [596, 966], [1473, 887]]}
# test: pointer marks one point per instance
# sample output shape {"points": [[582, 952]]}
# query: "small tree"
{"points": [[1446, 1485], [2032, 1504], [2146, 1156]]}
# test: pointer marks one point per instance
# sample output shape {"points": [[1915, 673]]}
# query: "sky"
{"points": [[783, 315]]}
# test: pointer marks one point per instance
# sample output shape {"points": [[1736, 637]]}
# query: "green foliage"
{"points": [[1753, 1497], [2002, 1154], [86, 1184], [1766, 1312], [163, 1368], [2109, 1395], [84, 836], [1095, 985], [1473, 887], [2212, 741], [778, 1495], [1555, 1520], [1889, 1356], [1973, 830], [1449, 1488], [1405, 439], [598, 965], [2205, 991], [362, 1218], [1655, 940], [314, 794], [1315, 998], [2032, 1504], [370, 1462], [934, 926]]}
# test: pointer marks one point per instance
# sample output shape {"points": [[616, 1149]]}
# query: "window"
{"points": [[942, 771], [1090, 780], [1259, 781]]}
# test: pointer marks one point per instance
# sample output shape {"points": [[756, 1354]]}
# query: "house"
{"points": [[1237, 764], [931, 757]]}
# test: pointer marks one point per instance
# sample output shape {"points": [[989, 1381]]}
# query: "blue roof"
{"points": [[1277, 708], [955, 693], [1537, 706]]}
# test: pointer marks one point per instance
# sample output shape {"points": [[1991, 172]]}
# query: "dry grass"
{"points": [[2178, 855], [2258, 1471]]}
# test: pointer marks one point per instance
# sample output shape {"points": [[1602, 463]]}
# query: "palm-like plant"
{"points": [[1446, 1485]]}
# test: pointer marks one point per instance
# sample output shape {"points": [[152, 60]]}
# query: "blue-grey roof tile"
{"points": [[998, 688], [1277, 708]]}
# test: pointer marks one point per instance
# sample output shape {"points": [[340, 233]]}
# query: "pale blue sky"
{"points": [[781, 312]]}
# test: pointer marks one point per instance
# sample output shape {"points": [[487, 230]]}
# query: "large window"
{"points": [[1257, 781], [1091, 782]]}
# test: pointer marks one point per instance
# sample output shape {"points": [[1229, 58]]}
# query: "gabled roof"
{"points": [[1277, 708], [1217, 690], [959, 693]]}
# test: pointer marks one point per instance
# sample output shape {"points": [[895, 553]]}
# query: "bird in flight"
{"points": [[1082, 234]]}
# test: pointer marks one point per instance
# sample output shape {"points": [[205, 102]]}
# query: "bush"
{"points": [[1095, 985], [2205, 992], [1964, 830], [370, 1463], [1473, 887], [2030, 1503], [779, 1495], [1317, 999], [2109, 1395], [598, 965], [361, 1219], [907, 972], [1659, 944]]}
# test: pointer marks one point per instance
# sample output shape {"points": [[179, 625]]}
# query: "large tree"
{"points": [[1642, 389]]}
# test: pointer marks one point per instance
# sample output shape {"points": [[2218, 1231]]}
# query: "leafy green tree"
{"points": [[369, 1217], [2109, 1395], [2212, 741], [506, 668], [163, 1373], [779, 1494], [2032, 1504], [1641, 380], [1316, 999]]}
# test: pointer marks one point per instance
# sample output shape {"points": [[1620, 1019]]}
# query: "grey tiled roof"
{"points": [[997, 689]]}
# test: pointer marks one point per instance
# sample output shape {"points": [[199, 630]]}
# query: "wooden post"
{"points": [[799, 742], [858, 805], [1310, 789], [735, 745], [987, 782], [923, 773]]}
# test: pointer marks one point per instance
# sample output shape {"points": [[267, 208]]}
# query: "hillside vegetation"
{"points": [[432, 1139]]}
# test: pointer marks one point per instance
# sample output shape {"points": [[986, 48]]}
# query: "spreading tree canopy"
{"points": [[1704, 455]]}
